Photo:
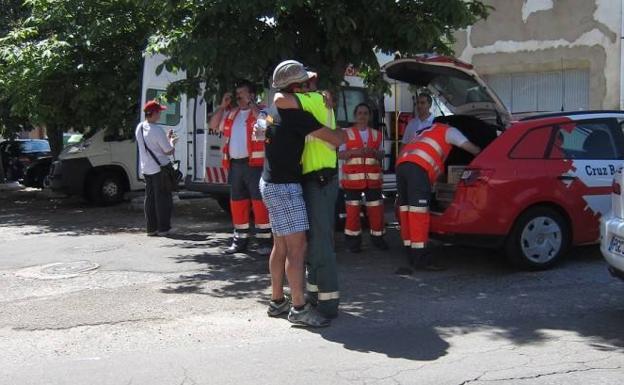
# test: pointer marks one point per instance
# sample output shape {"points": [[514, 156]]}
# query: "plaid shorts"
{"points": [[287, 211]]}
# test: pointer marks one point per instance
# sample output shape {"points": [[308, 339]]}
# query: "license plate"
{"points": [[617, 246]]}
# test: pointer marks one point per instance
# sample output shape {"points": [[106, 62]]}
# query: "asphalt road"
{"points": [[87, 298]]}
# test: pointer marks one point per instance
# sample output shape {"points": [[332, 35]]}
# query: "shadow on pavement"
{"points": [[74, 217], [415, 317], [240, 275]]}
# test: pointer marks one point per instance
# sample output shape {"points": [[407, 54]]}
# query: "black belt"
{"points": [[322, 176], [239, 160]]}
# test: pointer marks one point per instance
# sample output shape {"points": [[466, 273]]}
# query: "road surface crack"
{"points": [[104, 323]]}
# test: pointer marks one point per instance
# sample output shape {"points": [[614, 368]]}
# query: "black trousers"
{"points": [[158, 204]]}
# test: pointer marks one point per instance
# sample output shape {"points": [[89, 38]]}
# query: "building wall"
{"points": [[523, 36]]}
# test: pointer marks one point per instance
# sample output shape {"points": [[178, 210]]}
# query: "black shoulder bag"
{"points": [[170, 176]]}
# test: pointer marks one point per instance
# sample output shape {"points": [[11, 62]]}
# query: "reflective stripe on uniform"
{"points": [[311, 288], [351, 134], [263, 235], [416, 209], [356, 176], [417, 245], [426, 157], [403, 208], [263, 226], [371, 161], [329, 296], [436, 146], [407, 242], [374, 203], [257, 154], [354, 161], [352, 233], [374, 176], [377, 233], [352, 203], [244, 226], [241, 235]]}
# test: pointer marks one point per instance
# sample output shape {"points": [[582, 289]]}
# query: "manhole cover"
{"points": [[59, 270]]}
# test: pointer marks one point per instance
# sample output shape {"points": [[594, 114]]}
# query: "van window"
{"points": [[346, 101], [592, 139], [169, 117], [532, 145]]}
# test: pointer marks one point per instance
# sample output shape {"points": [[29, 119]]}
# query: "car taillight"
{"points": [[616, 188], [471, 177], [24, 159]]}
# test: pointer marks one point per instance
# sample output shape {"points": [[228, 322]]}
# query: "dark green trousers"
{"points": [[322, 273]]}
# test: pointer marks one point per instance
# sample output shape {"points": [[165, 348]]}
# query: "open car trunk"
{"points": [[476, 110], [479, 133]]}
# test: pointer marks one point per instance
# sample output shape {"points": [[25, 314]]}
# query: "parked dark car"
{"points": [[19, 155]]}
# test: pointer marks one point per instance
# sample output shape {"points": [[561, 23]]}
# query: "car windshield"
{"points": [[35, 146]]}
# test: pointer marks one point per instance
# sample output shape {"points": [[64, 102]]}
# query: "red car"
{"points": [[540, 184]]}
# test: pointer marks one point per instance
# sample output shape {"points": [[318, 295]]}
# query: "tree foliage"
{"points": [[76, 63], [222, 40]]}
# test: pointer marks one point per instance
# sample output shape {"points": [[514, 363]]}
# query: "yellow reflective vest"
{"points": [[317, 154]]}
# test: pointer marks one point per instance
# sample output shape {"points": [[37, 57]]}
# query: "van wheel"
{"points": [[538, 239], [224, 202], [106, 188]]}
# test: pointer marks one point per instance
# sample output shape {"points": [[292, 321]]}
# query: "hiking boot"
{"points": [[419, 258], [307, 317], [353, 243], [355, 249], [238, 245], [379, 243], [404, 271], [434, 267], [264, 250], [276, 309], [311, 298]]}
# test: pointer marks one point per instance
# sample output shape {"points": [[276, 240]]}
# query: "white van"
{"points": [[104, 166]]}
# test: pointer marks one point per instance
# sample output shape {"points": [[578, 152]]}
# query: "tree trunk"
{"points": [[55, 138], [2, 175]]}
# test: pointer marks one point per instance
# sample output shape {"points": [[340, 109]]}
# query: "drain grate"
{"points": [[58, 270]]}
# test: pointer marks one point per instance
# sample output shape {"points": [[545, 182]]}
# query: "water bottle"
{"points": [[260, 127]]}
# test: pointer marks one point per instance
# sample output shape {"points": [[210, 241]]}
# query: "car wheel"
{"points": [[106, 188], [538, 239], [224, 202], [35, 176]]}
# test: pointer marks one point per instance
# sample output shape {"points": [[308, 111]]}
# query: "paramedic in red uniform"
{"points": [[243, 157], [362, 172], [419, 164]]}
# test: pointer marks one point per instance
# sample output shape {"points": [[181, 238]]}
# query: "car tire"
{"points": [[35, 177], [106, 188], [538, 239], [224, 202]]}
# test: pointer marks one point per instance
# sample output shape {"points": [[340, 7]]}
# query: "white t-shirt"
{"points": [[455, 137], [238, 137], [415, 126], [158, 143]]}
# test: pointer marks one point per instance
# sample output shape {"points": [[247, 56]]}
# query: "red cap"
{"points": [[153, 106]]}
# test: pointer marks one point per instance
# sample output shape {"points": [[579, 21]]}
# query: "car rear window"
{"points": [[35, 146], [532, 145]]}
